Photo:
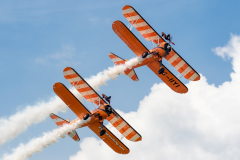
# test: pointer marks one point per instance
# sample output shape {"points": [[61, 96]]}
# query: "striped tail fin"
{"points": [[59, 122], [129, 72]]}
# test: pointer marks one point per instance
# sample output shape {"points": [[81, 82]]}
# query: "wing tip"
{"points": [[198, 78], [67, 69], [57, 85], [126, 7]]}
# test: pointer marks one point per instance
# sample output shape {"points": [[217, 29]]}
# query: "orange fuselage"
{"points": [[94, 119], [151, 58]]}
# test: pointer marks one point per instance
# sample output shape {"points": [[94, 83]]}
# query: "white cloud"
{"points": [[65, 56], [202, 124]]}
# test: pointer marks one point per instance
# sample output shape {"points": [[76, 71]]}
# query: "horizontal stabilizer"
{"points": [[129, 72], [60, 121]]}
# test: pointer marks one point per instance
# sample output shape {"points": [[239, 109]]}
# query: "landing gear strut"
{"points": [[161, 70], [102, 132]]}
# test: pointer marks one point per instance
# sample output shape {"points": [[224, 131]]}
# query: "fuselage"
{"points": [[97, 115], [153, 57]]}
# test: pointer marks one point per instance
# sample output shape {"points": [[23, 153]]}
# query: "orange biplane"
{"points": [[94, 119], [152, 58]]}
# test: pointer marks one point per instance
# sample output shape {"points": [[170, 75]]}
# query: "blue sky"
{"points": [[39, 39]]}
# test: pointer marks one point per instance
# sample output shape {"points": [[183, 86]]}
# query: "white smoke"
{"points": [[19, 122], [24, 151], [14, 125], [102, 77]]}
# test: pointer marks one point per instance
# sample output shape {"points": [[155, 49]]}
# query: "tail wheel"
{"points": [[161, 71], [144, 55], [86, 116], [102, 132]]}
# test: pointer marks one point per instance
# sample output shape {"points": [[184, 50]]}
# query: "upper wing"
{"points": [[172, 81], [82, 86], [182, 66], [141, 25], [138, 48], [128, 38], [110, 139], [71, 101], [124, 128], [151, 35]]}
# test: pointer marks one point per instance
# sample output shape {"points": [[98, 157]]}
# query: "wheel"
{"points": [[102, 132], [86, 116], [161, 71], [144, 55]]}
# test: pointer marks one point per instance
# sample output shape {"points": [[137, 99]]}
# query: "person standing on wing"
{"points": [[108, 99]]}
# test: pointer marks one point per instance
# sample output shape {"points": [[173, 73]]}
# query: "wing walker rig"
{"points": [[152, 58]]}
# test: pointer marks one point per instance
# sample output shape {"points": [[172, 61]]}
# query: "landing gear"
{"points": [[161, 71], [144, 55], [86, 116], [102, 132]]}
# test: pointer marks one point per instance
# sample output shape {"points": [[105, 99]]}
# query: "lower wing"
{"points": [[110, 139], [167, 77]]}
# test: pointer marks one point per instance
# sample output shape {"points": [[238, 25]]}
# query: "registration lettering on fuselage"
{"points": [[172, 80]]}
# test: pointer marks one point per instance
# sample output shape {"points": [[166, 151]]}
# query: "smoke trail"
{"points": [[24, 151], [19, 122], [14, 125], [102, 77]]}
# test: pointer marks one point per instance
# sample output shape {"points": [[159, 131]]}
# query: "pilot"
{"points": [[108, 99]]}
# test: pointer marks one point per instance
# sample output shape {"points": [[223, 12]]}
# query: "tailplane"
{"points": [[59, 122], [129, 72]]}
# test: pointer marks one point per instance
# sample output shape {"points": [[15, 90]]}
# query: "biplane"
{"points": [[152, 58], [93, 119]]}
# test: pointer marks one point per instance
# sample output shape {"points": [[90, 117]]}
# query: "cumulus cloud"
{"points": [[202, 124]]}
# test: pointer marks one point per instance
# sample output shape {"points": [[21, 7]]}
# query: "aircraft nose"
{"points": [[167, 47]]}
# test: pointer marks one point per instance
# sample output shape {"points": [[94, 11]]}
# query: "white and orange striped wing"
{"points": [[182, 66], [151, 35], [124, 128], [59, 122], [129, 72], [82, 86], [141, 25]]}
